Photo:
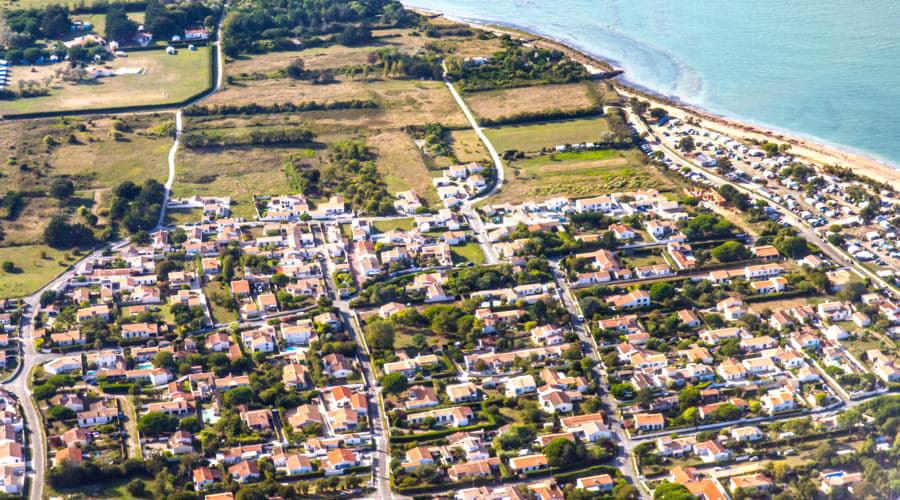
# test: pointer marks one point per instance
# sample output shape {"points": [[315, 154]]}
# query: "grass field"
{"points": [[402, 164], [540, 178], [383, 226], [400, 102], [98, 21], [115, 488], [32, 271], [495, 104], [546, 135], [470, 252], [82, 149], [168, 79], [467, 146], [219, 313]]}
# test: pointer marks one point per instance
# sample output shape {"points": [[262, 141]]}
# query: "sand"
{"points": [[803, 148]]}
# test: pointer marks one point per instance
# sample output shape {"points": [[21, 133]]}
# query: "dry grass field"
{"points": [[495, 104], [38, 151], [402, 165], [542, 178], [467, 146], [167, 79]]}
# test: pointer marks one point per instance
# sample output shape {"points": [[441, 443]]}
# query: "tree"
{"points": [[44, 391], [8, 266], [164, 359], [730, 251], [119, 26], [380, 335], [852, 291], [686, 144], [55, 21], [394, 383], [238, 396], [660, 292], [137, 488], [62, 189], [62, 235], [672, 491], [156, 423], [689, 396], [794, 247], [561, 453], [60, 413]]}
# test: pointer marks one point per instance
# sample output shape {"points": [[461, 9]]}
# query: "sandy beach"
{"points": [[801, 147]]}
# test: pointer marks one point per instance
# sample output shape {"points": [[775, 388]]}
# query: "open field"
{"points": [[401, 102], [467, 146], [32, 271], [470, 252], [494, 104], [383, 226], [83, 149], [543, 178], [98, 21], [239, 172], [339, 56], [168, 79], [109, 163], [402, 165], [536, 137]]}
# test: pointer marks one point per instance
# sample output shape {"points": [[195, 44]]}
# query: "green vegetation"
{"points": [[470, 252], [515, 67], [547, 135]]}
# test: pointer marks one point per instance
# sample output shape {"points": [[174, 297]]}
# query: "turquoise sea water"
{"points": [[823, 69]]}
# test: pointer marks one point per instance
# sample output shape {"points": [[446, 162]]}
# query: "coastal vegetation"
{"points": [[515, 67]]}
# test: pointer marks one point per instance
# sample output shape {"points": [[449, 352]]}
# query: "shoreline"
{"points": [[806, 148]]}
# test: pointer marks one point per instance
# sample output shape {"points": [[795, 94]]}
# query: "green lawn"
{"points": [[470, 252], [32, 271], [546, 135], [383, 226], [167, 79], [219, 313], [114, 488], [183, 216]]}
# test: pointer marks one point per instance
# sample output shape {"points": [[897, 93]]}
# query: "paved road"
{"points": [[467, 207], [31, 357]]}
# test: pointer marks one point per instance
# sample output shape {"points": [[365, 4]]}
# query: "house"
{"points": [[748, 433], [517, 386], [339, 459], [711, 451], [72, 456], [601, 483], [753, 482], [204, 477], [832, 480], [257, 419], [528, 463], [473, 469], [244, 471], [649, 421], [419, 396], [456, 416], [634, 299], [462, 393], [297, 464], [337, 366], [555, 401], [181, 442]]}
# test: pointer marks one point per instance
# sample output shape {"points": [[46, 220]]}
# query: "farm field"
{"points": [[495, 104], [535, 137], [32, 270], [168, 79], [542, 178]]}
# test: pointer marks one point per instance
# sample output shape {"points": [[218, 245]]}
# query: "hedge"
{"points": [[542, 116], [116, 388], [284, 107]]}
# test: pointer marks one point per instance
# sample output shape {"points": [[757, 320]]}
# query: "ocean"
{"points": [[822, 69]]}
